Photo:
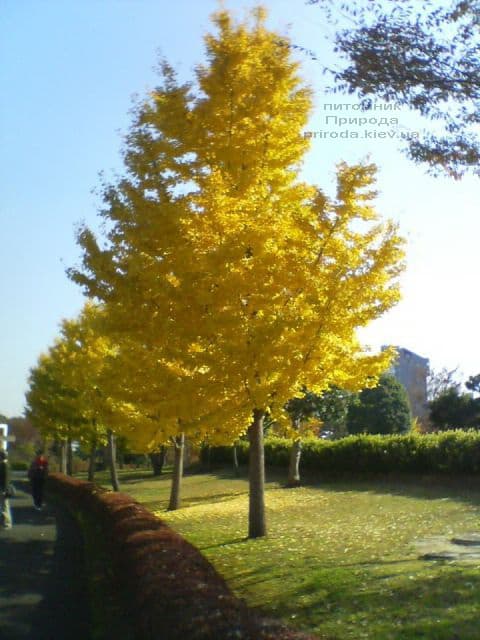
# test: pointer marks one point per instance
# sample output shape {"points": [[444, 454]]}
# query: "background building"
{"points": [[411, 370]]}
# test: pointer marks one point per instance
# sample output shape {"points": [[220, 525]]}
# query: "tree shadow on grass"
{"points": [[192, 501], [225, 496], [440, 607], [426, 487], [225, 543]]}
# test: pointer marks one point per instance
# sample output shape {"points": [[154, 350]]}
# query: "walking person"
{"points": [[38, 474], [5, 512]]}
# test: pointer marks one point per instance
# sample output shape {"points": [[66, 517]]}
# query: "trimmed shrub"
{"points": [[450, 452], [19, 466], [220, 456]]}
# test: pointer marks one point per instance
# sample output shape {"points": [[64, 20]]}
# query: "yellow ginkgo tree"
{"points": [[246, 283], [87, 357], [53, 406], [70, 395]]}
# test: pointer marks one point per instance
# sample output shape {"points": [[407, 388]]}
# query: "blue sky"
{"points": [[68, 72]]}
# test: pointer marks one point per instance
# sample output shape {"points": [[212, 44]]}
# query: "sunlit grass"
{"points": [[340, 559]]}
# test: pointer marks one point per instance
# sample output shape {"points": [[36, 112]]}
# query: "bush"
{"points": [[19, 466], [447, 452], [219, 456]]}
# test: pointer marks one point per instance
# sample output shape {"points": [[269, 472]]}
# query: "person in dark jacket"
{"points": [[38, 474], [5, 512]]}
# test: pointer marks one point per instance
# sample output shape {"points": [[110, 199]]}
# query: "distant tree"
{"points": [[384, 409], [27, 438], [455, 410], [157, 459], [421, 55], [329, 410], [332, 410], [24, 431], [300, 410], [440, 381], [473, 383]]}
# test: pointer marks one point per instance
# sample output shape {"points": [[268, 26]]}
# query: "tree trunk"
{"points": [[294, 466], [63, 456], [104, 453], [112, 461], [91, 461], [236, 467], [209, 457], [69, 457], [257, 526], [157, 458], [179, 446]]}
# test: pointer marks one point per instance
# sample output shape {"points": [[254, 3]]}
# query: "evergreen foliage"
{"points": [[382, 409]]}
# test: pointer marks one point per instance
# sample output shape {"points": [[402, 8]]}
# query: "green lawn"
{"points": [[340, 559]]}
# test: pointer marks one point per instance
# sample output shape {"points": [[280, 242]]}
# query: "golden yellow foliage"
{"points": [[228, 283]]}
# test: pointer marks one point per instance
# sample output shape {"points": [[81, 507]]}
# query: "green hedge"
{"points": [[447, 452], [19, 466]]}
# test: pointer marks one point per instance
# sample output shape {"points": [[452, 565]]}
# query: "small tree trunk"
{"points": [[112, 461], [63, 456], [294, 466], [157, 459], [104, 452], [91, 461], [69, 457], [257, 526], [179, 446], [208, 457], [236, 467]]}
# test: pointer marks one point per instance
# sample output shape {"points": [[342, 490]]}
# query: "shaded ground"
{"points": [[341, 559], [43, 592]]}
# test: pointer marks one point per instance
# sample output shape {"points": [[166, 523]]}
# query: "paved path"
{"points": [[42, 584]]}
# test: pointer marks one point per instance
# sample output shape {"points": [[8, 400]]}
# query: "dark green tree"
{"points": [[384, 409], [473, 383], [332, 410], [455, 410], [157, 459]]}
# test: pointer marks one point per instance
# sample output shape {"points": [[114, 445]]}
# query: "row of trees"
{"points": [[223, 285]]}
